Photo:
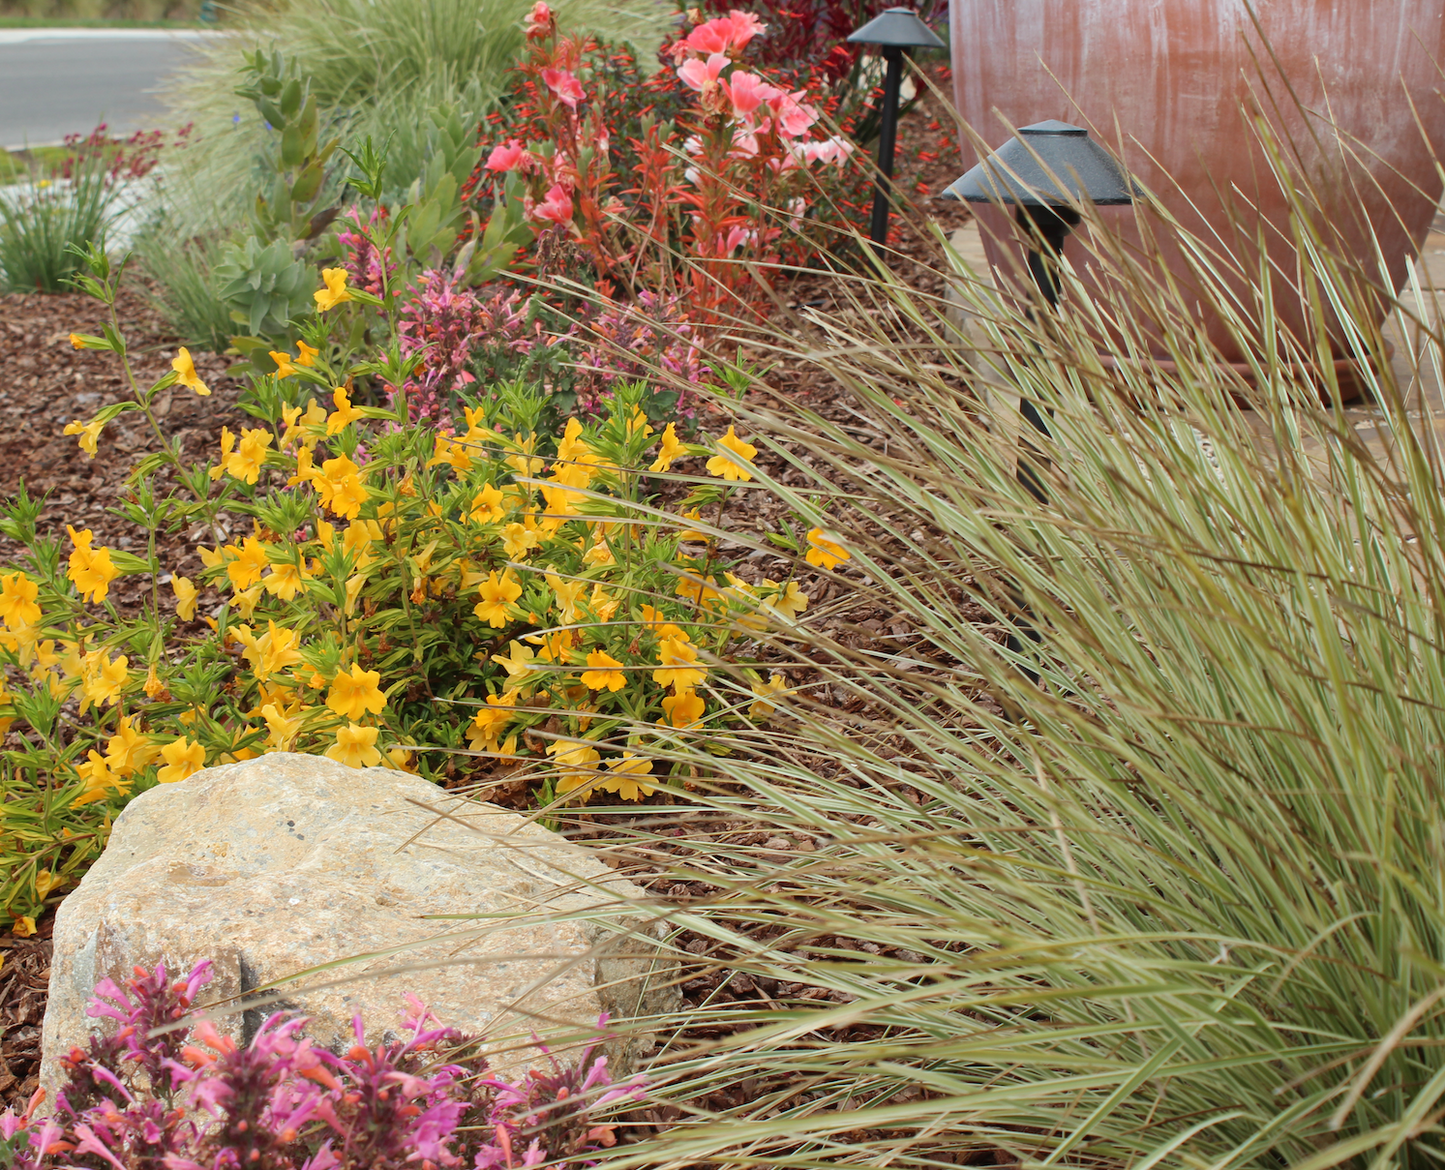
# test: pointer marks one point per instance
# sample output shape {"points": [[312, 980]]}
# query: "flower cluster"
{"points": [[155, 1092]]}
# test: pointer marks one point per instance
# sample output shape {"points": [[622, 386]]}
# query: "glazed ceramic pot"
{"points": [[1168, 85]]}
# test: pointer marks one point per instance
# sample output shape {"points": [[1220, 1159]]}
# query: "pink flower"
{"points": [[566, 86], [557, 206], [746, 26], [830, 150], [722, 33], [713, 37], [508, 157], [702, 75], [793, 116], [539, 21], [747, 91]]}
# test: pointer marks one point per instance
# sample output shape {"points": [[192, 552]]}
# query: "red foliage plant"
{"points": [[705, 159]]}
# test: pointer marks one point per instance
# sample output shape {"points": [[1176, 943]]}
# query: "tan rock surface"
{"points": [[286, 862]]}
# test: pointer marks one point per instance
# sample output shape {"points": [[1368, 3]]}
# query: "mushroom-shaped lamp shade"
{"points": [[1075, 170], [897, 28]]}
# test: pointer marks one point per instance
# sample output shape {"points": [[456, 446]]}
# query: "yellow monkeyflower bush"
{"points": [[395, 594]]}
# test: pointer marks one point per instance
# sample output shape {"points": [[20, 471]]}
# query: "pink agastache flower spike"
{"points": [[565, 85]]}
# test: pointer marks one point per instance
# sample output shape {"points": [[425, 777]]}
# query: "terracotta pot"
{"points": [[1174, 77]]}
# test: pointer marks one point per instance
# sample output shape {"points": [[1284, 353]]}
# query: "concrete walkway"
{"points": [[55, 82]]}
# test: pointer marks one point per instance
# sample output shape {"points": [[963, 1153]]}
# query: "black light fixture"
{"points": [[892, 30], [1047, 171]]}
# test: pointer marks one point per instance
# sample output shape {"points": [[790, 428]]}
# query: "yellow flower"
{"points": [[186, 594], [25, 925], [186, 372], [496, 594], [281, 728], [245, 601], [761, 709], [77, 341], [335, 291], [272, 652], [684, 708], [153, 686], [246, 463], [487, 506], [698, 591], [517, 661], [790, 600], [731, 466], [576, 761], [285, 580], [573, 448], [678, 659], [103, 682], [249, 562], [17, 601], [284, 366], [308, 355], [523, 462], [603, 671], [518, 539], [89, 434], [340, 487], [344, 415], [567, 594], [353, 694], [555, 647], [90, 569], [601, 552], [355, 746], [98, 777], [626, 771], [128, 750], [603, 604], [823, 551], [670, 448], [452, 453], [183, 758], [486, 727]]}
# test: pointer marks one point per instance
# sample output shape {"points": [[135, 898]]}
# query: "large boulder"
{"points": [[287, 862]]}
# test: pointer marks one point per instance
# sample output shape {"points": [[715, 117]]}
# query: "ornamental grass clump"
{"points": [[163, 1087], [1178, 903]]}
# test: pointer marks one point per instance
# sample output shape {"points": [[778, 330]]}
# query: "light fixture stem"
{"points": [[887, 138]]}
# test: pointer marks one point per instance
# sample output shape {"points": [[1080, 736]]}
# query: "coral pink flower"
{"points": [[565, 85], [722, 33], [539, 21], [793, 116], [746, 26], [509, 157], [557, 206], [747, 91], [702, 75]]}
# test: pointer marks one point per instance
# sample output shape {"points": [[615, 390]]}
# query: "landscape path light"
{"points": [[892, 30], [1047, 171]]}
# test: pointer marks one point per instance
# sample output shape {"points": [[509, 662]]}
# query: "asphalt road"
{"points": [[55, 82]]}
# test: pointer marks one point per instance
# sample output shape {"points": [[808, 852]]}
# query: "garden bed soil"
{"points": [[45, 383]]}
